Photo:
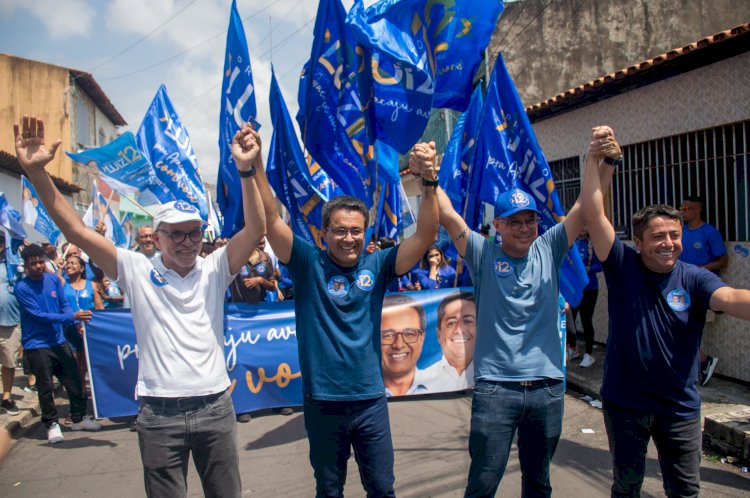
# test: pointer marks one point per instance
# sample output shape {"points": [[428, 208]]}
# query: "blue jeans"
{"points": [[333, 428], [678, 442], [498, 409], [169, 430]]}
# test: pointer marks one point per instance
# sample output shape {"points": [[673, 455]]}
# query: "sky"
{"points": [[133, 46]]}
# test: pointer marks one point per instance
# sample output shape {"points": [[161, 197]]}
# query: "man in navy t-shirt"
{"points": [[657, 309], [338, 300], [702, 246]]}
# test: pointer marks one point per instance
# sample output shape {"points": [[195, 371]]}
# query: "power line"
{"points": [[144, 37], [510, 43], [168, 59]]}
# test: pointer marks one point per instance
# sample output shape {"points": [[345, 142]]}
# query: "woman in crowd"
{"points": [[434, 271], [82, 294]]}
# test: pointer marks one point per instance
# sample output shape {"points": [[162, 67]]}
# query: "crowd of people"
{"points": [[503, 338]]}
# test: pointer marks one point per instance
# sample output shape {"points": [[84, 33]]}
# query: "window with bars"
{"points": [[710, 163], [566, 173]]}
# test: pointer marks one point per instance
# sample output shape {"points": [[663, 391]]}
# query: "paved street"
{"points": [[430, 438]]}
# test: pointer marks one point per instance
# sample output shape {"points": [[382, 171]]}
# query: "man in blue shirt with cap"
{"points": [[518, 360]]}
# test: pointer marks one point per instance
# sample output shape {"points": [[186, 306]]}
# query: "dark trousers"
{"points": [[170, 430], [586, 308], [678, 442], [498, 410], [57, 361], [333, 428]]}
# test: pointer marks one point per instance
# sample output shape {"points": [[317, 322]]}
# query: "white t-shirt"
{"points": [[179, 323], [441, 376]]}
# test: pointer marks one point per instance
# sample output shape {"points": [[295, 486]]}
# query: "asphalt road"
{"points": [[430, 439]]}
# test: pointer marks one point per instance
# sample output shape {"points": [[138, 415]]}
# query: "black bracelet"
{"points": [[617, 163], [430, 183], [246, 174]]}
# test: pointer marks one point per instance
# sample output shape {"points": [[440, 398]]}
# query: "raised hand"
{"points": [[245, 148], [30, 148], [423, 161], [603, 143]]}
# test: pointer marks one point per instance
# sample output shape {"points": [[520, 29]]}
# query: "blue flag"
{"points": [[288, 173], [165, 143], [125, 169], [237, 107], [114, 232], [127, 229], [34, 214], [389, 211], [10, 220], [508, 155], [424, 55], [330, 115]]}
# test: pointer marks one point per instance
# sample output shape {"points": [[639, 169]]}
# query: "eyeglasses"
{"points": [[341, 232], [409, 336], [178, 236], [518, 224]]}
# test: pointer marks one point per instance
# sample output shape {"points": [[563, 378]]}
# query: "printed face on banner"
{"points": [[456, 332], [399, 327]]}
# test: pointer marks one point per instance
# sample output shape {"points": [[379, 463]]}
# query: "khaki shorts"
{"points": [[10, 341]]}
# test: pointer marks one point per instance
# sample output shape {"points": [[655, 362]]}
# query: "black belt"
{"points": [[182, 404], [529, 383]]}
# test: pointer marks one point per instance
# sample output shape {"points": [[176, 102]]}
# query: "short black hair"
{"points": [[456, 296], [404, 300], [32, 251], [694, 198], [642, 218], [348, 203]]}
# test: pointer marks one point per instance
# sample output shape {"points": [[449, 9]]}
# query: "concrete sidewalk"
{"points": [[725, 410], [726, 406]]}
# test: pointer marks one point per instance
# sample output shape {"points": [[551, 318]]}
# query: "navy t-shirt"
{"points": [[338, 313], [655, 327]]}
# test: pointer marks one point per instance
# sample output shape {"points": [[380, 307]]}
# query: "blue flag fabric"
{"points": [[389, 211], [125, 169], [288, 173], [424, 55], [508, 155], [127, 230], [34, 214], [330, 115], [115, 231], [165, 143], [237, 107], [10, 219]]}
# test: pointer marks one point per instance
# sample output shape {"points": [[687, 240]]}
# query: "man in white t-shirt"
{"points": [[178, 313]]}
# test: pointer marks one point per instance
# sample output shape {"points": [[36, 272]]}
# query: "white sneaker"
{"points": [[54, 435], [587, 361], [86, 424]]}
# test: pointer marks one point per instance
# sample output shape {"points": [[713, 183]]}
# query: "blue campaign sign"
{"points": [[34, 214], [125, 169]]}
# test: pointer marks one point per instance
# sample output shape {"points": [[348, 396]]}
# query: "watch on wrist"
{"points": [[617, 163], [430, 183], [246, 174]]}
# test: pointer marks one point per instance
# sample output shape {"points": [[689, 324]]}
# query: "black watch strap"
{"points": [[247, 174], [430, 183], [617, 163]]}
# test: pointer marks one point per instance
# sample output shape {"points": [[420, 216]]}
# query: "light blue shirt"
{"points": [[10, 313], [517, 308]]}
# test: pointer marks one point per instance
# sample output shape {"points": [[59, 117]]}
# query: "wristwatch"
{"points": [[430, 183], [616, 163], [246, 174]]}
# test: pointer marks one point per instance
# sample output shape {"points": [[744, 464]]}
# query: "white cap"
{"points": [[175, 212]]}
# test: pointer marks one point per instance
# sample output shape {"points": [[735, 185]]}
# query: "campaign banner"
{"points": [[34, 214], [122, 166], [427, 346]]}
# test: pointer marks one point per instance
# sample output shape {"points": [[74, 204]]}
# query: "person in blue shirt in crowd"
{"points": [[434, 271], [44, 311], [518, 356], [588, 302], [657, 309], [10, 332], [338, 303], [703, 246]]}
